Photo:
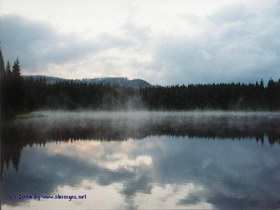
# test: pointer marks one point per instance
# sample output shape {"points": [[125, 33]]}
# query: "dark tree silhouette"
{"points": [[2, 66], [23, 95], [2, 82], [12, 91], [8, 69], [16, 70]]}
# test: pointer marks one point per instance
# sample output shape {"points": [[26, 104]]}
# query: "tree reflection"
{"points": [[16, 136]]}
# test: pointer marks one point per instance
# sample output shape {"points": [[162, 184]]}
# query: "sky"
{"points": [[164, 42]]}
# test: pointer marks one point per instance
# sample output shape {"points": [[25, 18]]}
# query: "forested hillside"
{"points": [[19, 95]]}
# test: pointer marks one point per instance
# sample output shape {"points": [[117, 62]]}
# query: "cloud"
{"points": [[38, 44], [141, 33], [233, 13], [235, 44]]}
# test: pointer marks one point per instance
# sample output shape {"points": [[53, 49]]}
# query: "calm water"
{"points": [[142, 160]]}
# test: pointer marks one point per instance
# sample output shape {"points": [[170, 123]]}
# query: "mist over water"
{"points": [[140, 160], [64, 125]]}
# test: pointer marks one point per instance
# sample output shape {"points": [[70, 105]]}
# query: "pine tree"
{"points": [[261, 84], [16, 88], [8, 69], [16, 70], [2, 65]]}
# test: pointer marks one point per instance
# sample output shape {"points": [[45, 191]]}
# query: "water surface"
{"points": [[143, 160]]}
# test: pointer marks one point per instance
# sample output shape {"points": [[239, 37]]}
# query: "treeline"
{"points": [[234, 96], [71, 95], [12, 84], [24, 95]]}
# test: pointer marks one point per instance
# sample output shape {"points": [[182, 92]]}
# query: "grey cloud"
{"points": [[232, 13], [37, 44], [140, 33], [237, 46], [237, 43], [235, 203], [109, 41], [192, 198]]}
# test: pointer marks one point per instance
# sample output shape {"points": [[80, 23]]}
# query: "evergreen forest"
{"points": [[22, 95]]}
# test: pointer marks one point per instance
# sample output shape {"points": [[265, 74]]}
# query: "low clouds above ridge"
{"points": [[237, 42]]}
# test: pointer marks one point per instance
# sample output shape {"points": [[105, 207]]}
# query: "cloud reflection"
{"points": [[144, 160], [176, 172]]}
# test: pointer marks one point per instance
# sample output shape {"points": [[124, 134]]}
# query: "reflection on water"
{"points": [[143, 160]]}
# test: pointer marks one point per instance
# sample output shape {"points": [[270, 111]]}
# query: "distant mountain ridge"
{"points": [[121, 81]]}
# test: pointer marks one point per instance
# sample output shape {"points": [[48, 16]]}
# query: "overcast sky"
{"points": [[162, 41]]}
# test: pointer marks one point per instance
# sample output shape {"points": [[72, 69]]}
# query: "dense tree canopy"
{"points": [[23, 95]]}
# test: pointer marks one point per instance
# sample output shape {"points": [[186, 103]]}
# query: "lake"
{"points": [[141, 160]]}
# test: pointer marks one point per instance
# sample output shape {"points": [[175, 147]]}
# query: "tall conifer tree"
{"points": [[2, 65], [16, 70]]}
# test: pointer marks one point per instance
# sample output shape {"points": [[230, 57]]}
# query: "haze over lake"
{"points": [[140, 104], [143, 160]]}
